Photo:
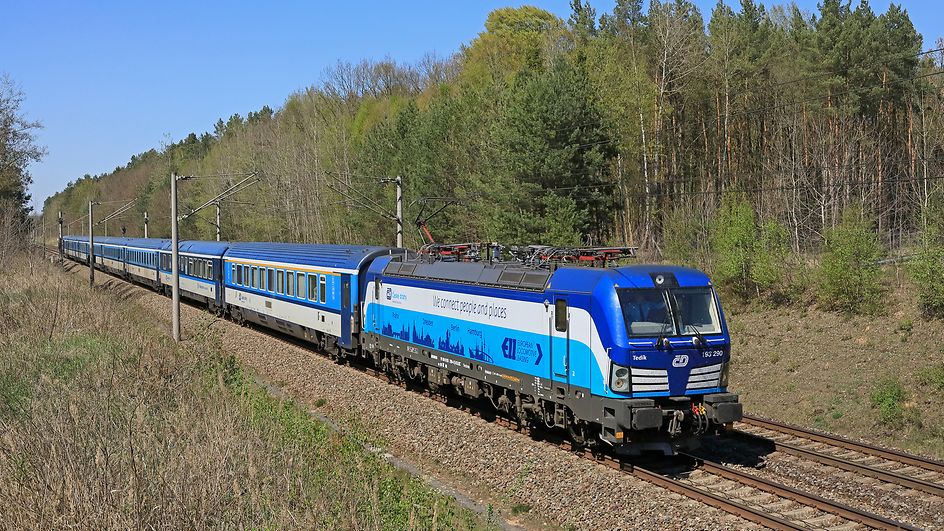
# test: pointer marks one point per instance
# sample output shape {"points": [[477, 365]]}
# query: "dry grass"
{"points": [[104, 423], [873, 377]]}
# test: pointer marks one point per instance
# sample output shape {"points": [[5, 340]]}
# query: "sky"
{"points": [[110, 79]]}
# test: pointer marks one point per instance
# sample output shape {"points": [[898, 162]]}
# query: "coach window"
{"points": [[290, 283], [313, 288], [271, 282], [246, 276], [301, 285], [324, 289], [210, 270], [281, 277], [255, 277], [238, 274], [560, 315]]}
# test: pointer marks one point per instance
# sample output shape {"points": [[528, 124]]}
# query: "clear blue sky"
{"points": [[111, 79]]}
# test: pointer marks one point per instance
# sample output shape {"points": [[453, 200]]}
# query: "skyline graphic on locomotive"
{"points": [[635, 357]]}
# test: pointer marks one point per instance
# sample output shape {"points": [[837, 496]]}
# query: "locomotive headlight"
{"points": [[619, 378], [724, 375]]}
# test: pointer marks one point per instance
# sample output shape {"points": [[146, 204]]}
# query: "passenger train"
{"points": [[633, 357]]}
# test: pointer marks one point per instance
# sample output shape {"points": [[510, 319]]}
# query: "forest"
{"points": [[739, 140]]}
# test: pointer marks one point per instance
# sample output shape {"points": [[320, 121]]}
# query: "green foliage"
{"points": [[733, 234], [746, 259], [770, 255], [888, 397], [927, 268], [18, 149], [551, 138], [849, 277]]}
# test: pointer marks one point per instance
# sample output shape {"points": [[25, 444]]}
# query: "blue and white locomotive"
{"points": [[634, 357]]}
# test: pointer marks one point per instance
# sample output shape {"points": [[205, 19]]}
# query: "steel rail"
{"points": [[812, 500], [844, 464], [848, 444], [709, 498]]}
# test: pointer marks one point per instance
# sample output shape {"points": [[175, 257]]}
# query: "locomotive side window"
{"points": [[560, 315]]}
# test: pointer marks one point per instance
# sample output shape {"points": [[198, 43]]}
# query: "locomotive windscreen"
{"points": [[697, 311], [669, 312]]}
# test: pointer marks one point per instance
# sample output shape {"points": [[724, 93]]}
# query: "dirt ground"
{"points": [[821, 369]]}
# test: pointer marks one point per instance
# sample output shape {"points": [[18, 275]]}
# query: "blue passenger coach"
{"points": [[309, 291], [142, 259], [199, 264]]}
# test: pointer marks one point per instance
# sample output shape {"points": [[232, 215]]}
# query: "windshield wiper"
{"points": [[663, 340], [701, 338]]}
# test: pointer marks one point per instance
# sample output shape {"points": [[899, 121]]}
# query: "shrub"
{"points": [[747, 260], [732, 245], [849, 277], [927, 270], [933, 376], [888, 398], [770, 256]]}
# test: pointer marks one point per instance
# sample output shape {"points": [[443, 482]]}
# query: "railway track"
{"points": [[753, 498], [911, 471], [758, 500]]}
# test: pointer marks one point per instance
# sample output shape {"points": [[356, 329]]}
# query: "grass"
{"points": [[833, 371], [933, 376], [108, 424]]}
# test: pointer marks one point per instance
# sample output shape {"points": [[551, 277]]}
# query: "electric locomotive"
{"points": [[634, 357]]}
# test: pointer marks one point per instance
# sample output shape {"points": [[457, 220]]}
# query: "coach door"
{"points": [[560, 341], [346, 316]]}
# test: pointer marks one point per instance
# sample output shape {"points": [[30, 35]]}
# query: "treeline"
{"points": [[633, 127]]}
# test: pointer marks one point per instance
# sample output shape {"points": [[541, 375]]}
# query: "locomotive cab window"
{"points": [[697, 311], [560, 315]]}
